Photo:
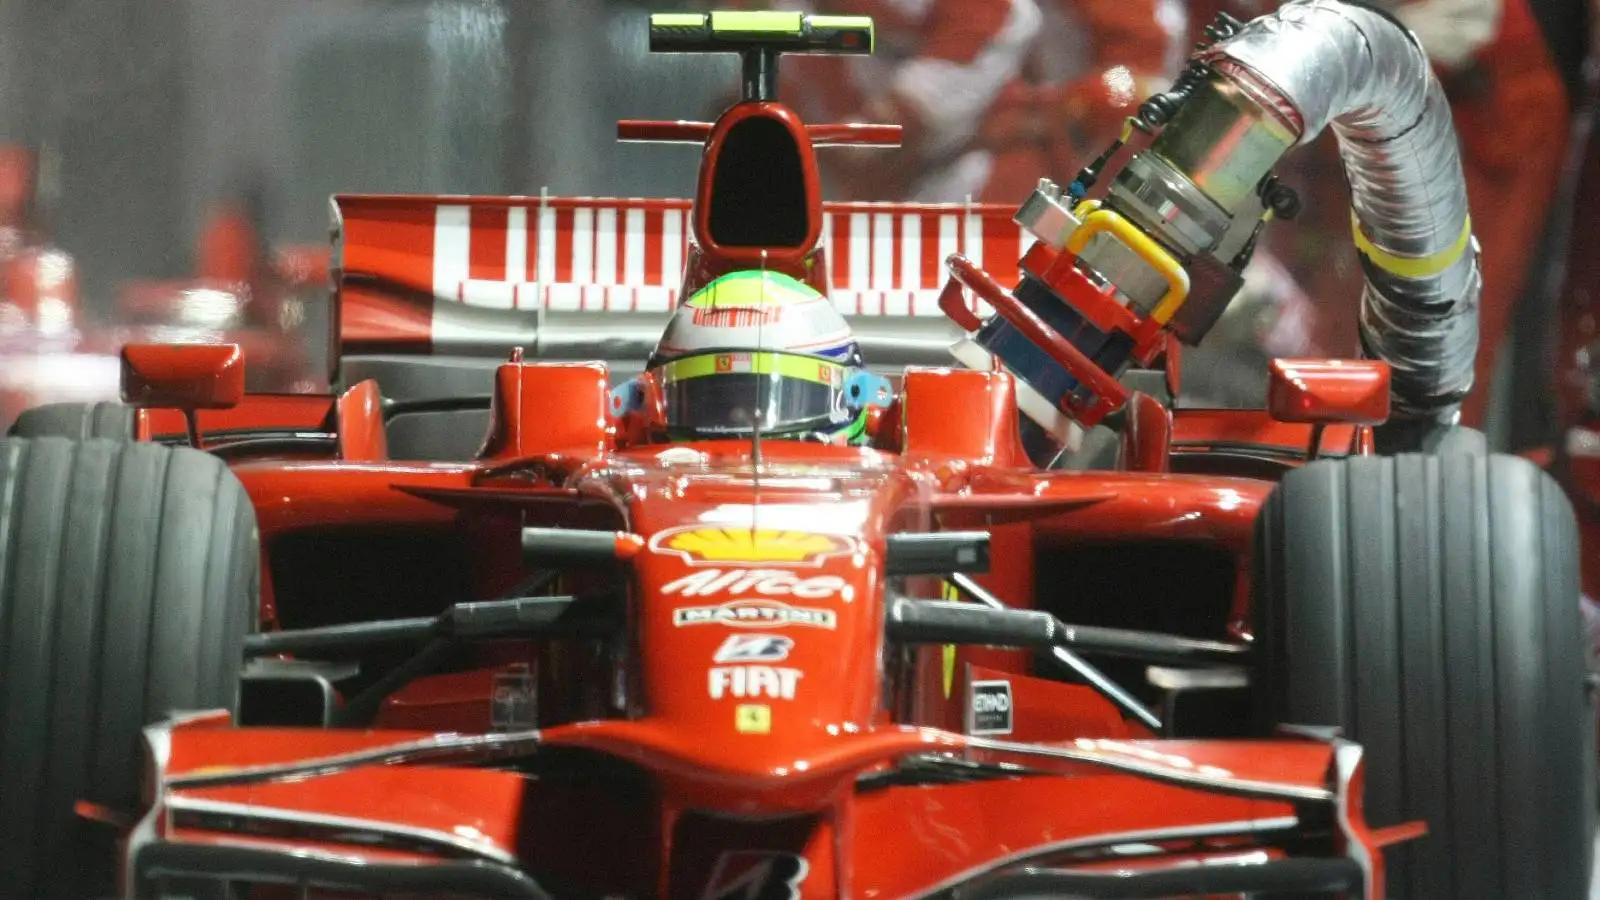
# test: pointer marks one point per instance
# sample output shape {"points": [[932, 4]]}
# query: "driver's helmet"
{"points": [[761, 349]]}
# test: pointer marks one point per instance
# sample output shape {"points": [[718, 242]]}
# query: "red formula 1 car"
{"points": [[753, 620]]}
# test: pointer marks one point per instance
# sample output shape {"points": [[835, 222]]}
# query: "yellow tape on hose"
{"points": [[1412, 266]]}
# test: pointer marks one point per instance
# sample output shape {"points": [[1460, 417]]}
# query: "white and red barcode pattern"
{"points": [[736, 317], [628, 255]]}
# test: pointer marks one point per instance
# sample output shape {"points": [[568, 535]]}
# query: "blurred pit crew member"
{"points": [[1511, 111], [39, 315], [234, 251], [938, 68], [1076, 102], [1095, 61], [38, 281], [758, 350]]}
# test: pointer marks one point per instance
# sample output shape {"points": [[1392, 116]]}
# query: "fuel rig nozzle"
{"points": [[1160, 254]]}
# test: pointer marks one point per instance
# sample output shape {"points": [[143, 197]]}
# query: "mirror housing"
{"points": [[182, 376], [1329, 391], [186, 377]]}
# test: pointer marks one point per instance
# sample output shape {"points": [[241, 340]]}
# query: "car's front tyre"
{"points": [[128, 579], [1429, 607]]}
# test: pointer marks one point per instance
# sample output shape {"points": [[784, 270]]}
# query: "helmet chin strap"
{"points": [[845, 436]]}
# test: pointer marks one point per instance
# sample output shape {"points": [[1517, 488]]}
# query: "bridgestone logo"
{"points": [[755, 614], [756, 875], [989, 707]]}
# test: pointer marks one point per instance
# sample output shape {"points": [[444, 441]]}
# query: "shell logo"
{"points": [[713, 546]]}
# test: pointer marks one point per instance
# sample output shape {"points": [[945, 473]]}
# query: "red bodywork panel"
{"points": [[1315, 390], [561, 409], [255, 412]]}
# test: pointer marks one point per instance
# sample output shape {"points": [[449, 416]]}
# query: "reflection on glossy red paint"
{"points": [[359, 424], [541, 408], [183, 376], [1352, 392], [255, 412]]}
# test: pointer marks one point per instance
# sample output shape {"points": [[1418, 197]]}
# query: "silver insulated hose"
{"points": [[1277, 83]]}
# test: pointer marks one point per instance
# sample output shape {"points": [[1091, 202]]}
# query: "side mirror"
{"points": [[1329, 391], [186, 377]]}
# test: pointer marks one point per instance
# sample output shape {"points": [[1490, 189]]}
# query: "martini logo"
{"points": [[766, 582], [713, 546], [755, 614], [754, 648], [754, 682], [756, 875]]}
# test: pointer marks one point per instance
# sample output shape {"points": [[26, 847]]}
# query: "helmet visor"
{"points": [[715, 395]]}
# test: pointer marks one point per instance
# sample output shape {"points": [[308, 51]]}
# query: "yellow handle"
{"points": [[1097, 220]]}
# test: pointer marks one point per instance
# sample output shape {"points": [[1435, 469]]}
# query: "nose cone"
{"points": [[760, 633], [757, 602]]}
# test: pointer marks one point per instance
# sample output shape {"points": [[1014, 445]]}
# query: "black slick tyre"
{"points": [[79, 421], [1428, 607], [128, 579]]}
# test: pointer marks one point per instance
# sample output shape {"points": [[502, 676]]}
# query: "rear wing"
{"points": [[478, 275]]}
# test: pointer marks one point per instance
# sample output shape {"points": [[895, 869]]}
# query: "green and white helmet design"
{"points": [[762, 351]]}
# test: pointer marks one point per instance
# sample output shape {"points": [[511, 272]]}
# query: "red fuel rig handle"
{"points": [[1116, 281], [1109, 394], [1097, 294]]}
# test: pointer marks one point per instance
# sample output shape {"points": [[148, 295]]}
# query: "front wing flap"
{"points": [[380, 813]]}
